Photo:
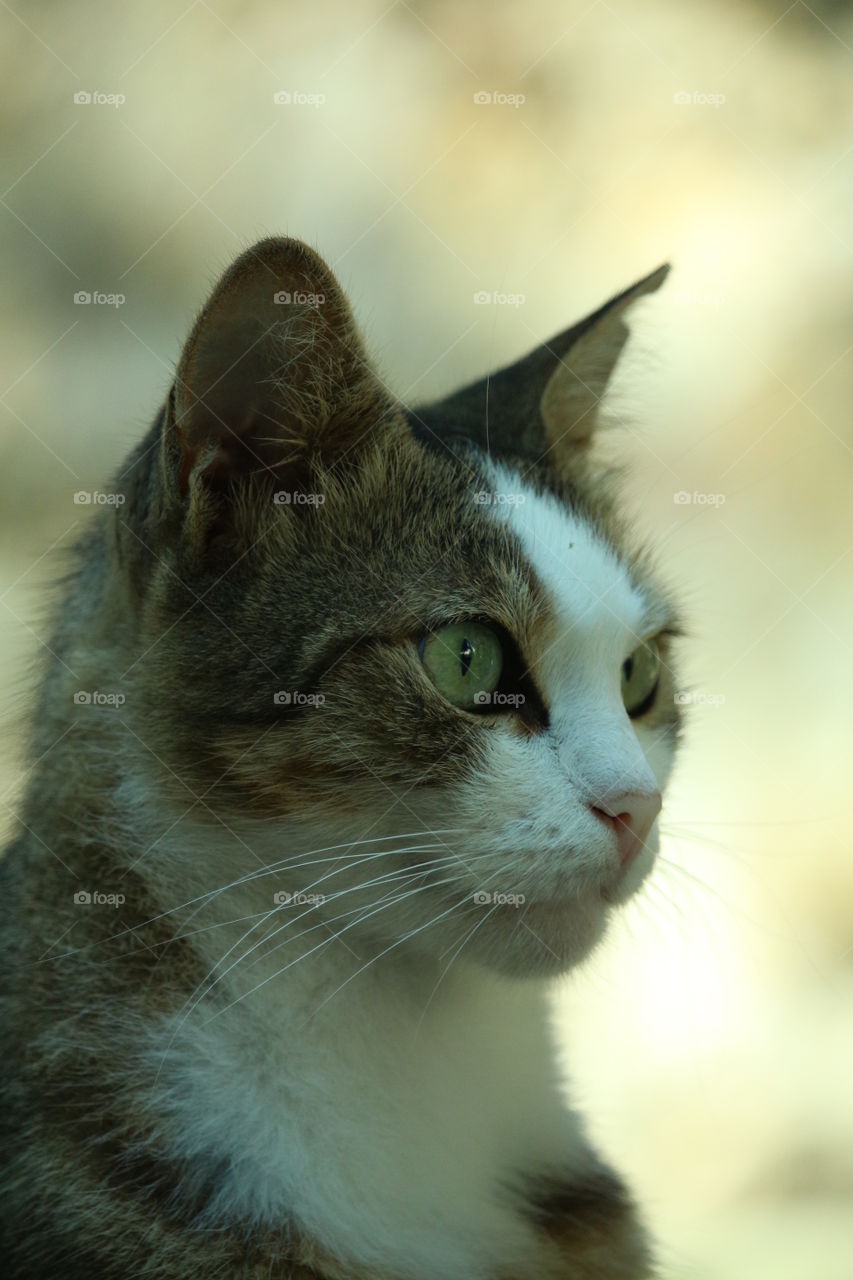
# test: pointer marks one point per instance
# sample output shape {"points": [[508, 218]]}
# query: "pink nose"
{"points": [[630, 816]]}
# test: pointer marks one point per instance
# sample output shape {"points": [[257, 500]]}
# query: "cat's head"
{"points": [[416, 634]]}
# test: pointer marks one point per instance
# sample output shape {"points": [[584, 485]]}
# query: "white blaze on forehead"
{"points": [[601, 617], [589, 588]]}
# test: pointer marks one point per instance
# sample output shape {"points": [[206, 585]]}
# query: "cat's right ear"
{"points": [[544, 407], [273, 381]]}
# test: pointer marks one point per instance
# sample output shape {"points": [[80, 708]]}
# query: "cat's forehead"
{"points": [[589, 583]]}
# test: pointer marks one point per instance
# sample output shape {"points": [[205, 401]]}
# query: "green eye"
{"points": [[464, 661], [640, 675]]}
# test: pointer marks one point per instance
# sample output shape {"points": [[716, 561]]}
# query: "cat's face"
{"points": [[439, 659], [536, 805]]}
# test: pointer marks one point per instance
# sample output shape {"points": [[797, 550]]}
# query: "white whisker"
{"points": [[334, 938]]}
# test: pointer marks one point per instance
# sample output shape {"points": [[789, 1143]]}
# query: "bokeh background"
{"points": [[711, 1041]]}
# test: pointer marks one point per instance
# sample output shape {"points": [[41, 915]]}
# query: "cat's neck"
{"points": [[365, 1104], [364, 1094]]}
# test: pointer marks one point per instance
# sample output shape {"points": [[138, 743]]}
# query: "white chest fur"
{"points": [[390, 1133]]}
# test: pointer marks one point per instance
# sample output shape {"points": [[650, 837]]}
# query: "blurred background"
{"points": [[547, 155]]}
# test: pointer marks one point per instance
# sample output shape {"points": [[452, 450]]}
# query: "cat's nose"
{"points": [[630, 816]]}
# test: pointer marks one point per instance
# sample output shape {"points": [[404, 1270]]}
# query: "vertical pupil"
{"points": [[628, 668], [466, 653]]}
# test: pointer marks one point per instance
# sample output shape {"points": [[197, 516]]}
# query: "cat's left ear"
{"points": [[547, 401]]}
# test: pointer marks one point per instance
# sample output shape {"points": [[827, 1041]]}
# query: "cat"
{"points": [[353, 737]]}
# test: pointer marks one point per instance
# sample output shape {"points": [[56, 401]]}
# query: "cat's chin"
{"points": [[544, 939]]}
